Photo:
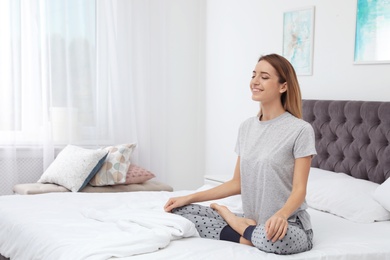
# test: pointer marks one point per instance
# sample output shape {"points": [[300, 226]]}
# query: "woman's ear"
{"points": [[283, 88]]}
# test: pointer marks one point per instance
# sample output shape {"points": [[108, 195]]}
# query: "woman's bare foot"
{"points": [[237, 223], [225, 213]]}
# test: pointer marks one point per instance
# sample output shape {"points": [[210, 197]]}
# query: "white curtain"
{"points": [[65, 78]]}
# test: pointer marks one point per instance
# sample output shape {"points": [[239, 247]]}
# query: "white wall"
{"points": [[185, 93], [238, 32]]}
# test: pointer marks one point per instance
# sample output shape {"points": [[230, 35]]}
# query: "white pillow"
{"points": [[344, 196], [382, 194], [74, 167]]}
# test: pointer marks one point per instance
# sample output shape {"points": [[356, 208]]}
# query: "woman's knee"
{"points": [[195, 209], [187, 209], [295, 241]]}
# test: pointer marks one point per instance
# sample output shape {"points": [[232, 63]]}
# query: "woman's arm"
{"points": [[229, 188], [276, 226]]}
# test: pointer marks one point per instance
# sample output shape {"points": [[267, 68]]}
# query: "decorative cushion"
{"points": [[137, 174], [344, 196], [115, 167], [382, 194], [74, 167]]}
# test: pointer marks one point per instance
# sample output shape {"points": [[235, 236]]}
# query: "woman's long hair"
{"points": [[291, 99]]}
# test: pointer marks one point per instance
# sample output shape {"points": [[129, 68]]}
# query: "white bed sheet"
{"points": [[334, 239], [27, 219]]}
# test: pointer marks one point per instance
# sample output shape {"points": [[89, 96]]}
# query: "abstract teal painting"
{"points": [[372, 34], [298, 33]]}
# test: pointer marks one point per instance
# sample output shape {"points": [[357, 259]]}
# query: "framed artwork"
{"points": [[372, 32], [298, 39]]}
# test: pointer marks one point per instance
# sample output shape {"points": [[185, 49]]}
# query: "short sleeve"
{"points": [[305, 142]]}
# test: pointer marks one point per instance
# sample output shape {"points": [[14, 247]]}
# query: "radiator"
{"points": [[19, 166]]}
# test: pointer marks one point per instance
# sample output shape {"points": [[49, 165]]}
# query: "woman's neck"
{"points": [[271, 112]]}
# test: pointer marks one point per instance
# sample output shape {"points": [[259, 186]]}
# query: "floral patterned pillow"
{"points": [[137, 174], [115, 167]]}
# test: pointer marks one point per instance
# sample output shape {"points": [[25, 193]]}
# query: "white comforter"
{"points": [[86, 226]]}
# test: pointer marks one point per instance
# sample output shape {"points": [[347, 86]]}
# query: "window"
{"points": [[47, 70]]}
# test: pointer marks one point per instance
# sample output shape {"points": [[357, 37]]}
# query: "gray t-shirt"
{"points": [[267, 151]]}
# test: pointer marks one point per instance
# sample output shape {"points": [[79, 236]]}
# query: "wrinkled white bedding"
{"points": [[78, 226], [133, 226]]}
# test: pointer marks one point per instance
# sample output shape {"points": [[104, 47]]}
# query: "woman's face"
{"points": [[265, 84]]}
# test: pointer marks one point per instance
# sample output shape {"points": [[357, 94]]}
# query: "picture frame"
{"points": [[298, 39], [372, 32]]}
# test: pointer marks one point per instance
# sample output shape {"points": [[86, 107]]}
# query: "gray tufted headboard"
{"points": [[351, 137]]}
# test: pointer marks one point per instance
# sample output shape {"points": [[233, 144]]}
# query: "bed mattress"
{"points": [[31, 227]]}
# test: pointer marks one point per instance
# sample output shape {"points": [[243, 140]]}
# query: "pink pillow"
{"points": [[136, 174]]}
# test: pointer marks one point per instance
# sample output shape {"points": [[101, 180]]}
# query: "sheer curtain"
{"points": [[65, 78]]}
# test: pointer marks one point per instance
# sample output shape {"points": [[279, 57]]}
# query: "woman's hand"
{"points": [[176, 202], [276, 227]]}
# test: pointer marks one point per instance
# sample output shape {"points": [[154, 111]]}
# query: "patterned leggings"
{"points": [[211, 225]]}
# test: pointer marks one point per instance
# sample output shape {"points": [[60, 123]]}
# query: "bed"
{"points": [[348, 194]]}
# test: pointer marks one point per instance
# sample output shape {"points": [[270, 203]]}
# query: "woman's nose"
{"points": [[255, 81]]}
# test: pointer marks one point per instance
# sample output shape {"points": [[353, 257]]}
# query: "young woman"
{"points": [[274, 156]]}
